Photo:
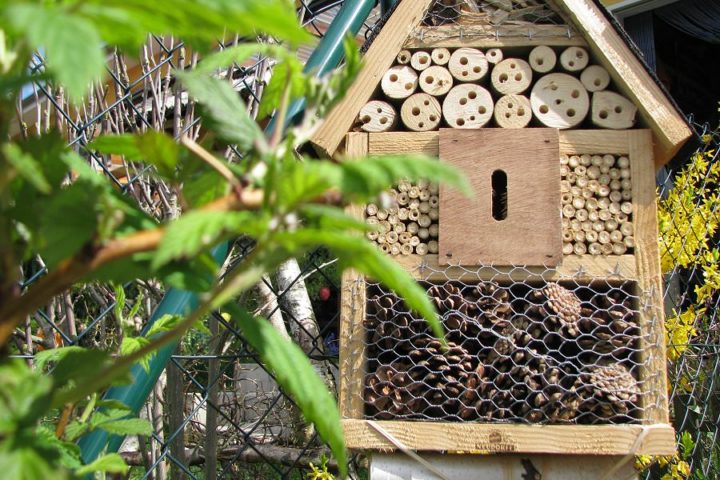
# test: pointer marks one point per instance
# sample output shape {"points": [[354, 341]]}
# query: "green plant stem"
{"points": [[88, 410], [279, 130]]}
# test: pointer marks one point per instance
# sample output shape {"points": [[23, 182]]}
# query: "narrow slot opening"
{"points": [[499, 195]]}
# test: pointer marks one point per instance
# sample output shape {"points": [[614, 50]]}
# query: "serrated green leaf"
{"points": [[223, 110], [27, 396], [83, 171], [356, 252], [296, 375], [123, 144], [288, 73], [163, 324], [203, 188], [110, 463], [75, 429], [27, 167], [333, 218], [68, 452], [131, 345], [76, 364], [72, 45], [152, 148], [128, 426], [197, 231]]}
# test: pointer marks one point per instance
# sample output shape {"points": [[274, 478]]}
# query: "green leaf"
{"points": [[26, 457], [203, 188], [197, 231], [128, 426], [75, 429], [296, 375], [25, 398], [118, 144], [27, 167], [72, 45], [153, 148], [110, 463], [163, 324], [119, 303], [69, 453], [356, 252], [80, 167], [75, 363], [131, 345], [223, 110], [332, 218], [289, 72]]}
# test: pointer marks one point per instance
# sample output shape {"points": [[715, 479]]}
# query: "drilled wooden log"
{"points": [[559, 101], [399, 82], [468, 64], [574, 59], [494, 56], [377, 116], [421, 112], [513, 111], [420, 60], [468, 106], [403, 58], [612, 110], [542, 59], [436, 80], [440, 56], [511, 76], [595, 78]]}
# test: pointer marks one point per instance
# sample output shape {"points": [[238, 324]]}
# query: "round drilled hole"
{"points": [[540, 61], [618, 109], [429, 79], [521, 112], [570, 112], [463, 61], [518, 77], [408, 86], [476, 69], [544, 109], [379, 110], [553, 87], [460, 122], [580, 54], [597, 82], [423, 60], [416, 111], [421, 124], [472, 118], [507, 114], [465, 74], [510, 105], [472, 95], [383, 120], [575, 93], [512, 65], [558, 101], [440, 56], [426, 102], [482, 110], [603, 114], [366, 119], [393, 78], [463, 101], [433, 118], [503, 78]]}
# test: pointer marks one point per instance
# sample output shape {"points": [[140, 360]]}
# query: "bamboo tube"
{"points": [[627, 229], [611, 225], [568, 235], [568, 211], [423, 234], [564, 159], [385, 226], [377, 116], [614, 174], [413, 215], [434, 188], [591, 203], [585, 160], [612, 110], [625, 173], [587, 193], [371, 209], [412, 228], [581, 170], [414, 191], [399, 82], [381, 239], [619, 248], [578, 203], [567, 248], [580, 249], [623, 162], [434, 214], [406, 249], [564, 185], [595, 78], [598, 226], [468, 64], [403, 214], [494, 55], [603, 190], [604, 214], [421, 249], [621, 218], [608, 160], [570, 177], [560, 101], [434, 201], [629, 242], [594, 248], [434, 230], [424, 221], [436, 80], [403, 58], [627, 195], [580, 236], [564, 169], [424, 207], [385, 248], [420, 60], [615, 185], [582, 214], [513, 111], [405, 237], [615, 196], [593, 172], [440, 56], [414, 203], [372, 235], [511, 76], [542, 59], [614, 208], [566, 198], [414, 241], [606, 249], [591, 236], [391, 237], [420, 112], [576, 191], [574, 161], [468, 106], [603, 237], [596, 160], [399, 227], [392, 217], [616, 236], [593, 186], [382, 214], [574, 59], [394, 249], [433, 246]]}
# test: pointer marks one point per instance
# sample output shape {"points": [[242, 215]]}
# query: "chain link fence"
{"points": [[216, 412]]}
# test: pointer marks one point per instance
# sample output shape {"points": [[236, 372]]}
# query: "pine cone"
{"points": [[611, 391]]}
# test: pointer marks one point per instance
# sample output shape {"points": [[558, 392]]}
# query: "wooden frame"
{"points": [[658, 437], [488, 36]]}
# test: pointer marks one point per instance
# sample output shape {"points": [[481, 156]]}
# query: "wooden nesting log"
{"points": [[399, 82], [511, 76], [560, 101], [574, 59], [468, 64], [513, 111], [421, 112], [440, 56], [403, 58], [595, 78], [612, 110], [494, 56], [436, 80], [377, 116], [468, 106], [542, 59], [420, 60]]}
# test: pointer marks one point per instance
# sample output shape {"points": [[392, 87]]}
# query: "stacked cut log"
{"points": [[472, 88], [544, 354], [410, 225], [597, 207]]}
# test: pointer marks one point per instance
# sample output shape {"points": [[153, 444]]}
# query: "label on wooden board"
{"points": [[513, 218]]}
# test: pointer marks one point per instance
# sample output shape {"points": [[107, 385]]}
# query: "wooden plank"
{"points": [[584, 268], [474, 438], [352, 316], [512, 218], [630, 76], [490, 36], [428, 143], [380, 56], [650, 286]]}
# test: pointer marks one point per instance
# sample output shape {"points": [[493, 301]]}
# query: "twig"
{"points": [[213, 162], [64, 420]]}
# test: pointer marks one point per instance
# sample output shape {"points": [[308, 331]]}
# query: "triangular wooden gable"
{"points": [[585, 18]]}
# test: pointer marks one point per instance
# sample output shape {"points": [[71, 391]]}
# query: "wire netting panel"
{"points": [[444, 12]]}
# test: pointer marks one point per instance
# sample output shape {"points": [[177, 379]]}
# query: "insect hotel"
{"points": [[547, 281]]}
